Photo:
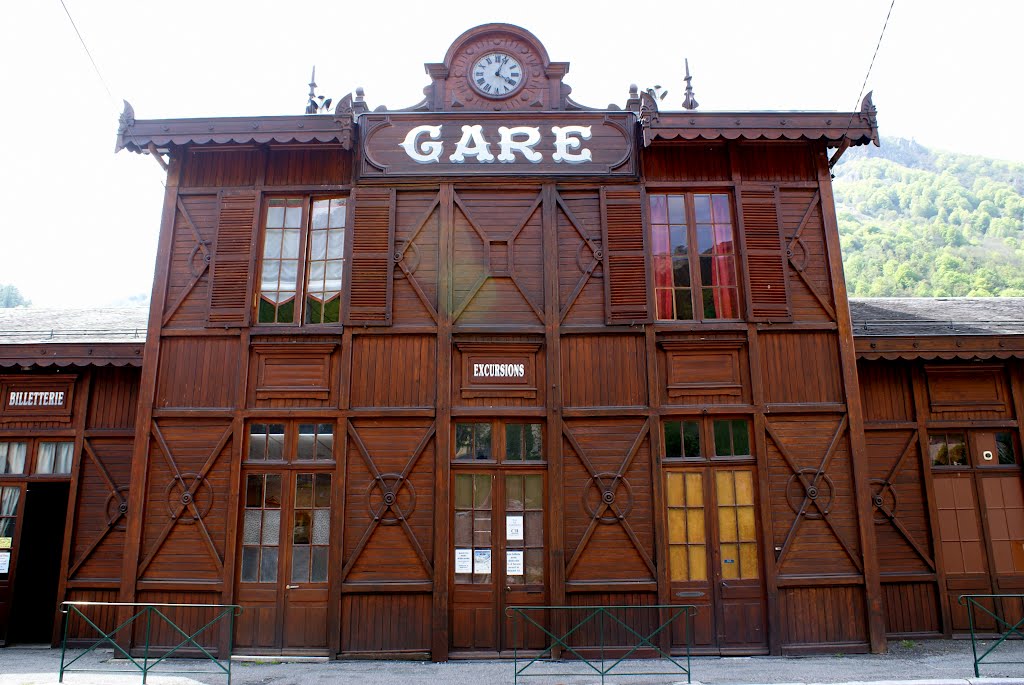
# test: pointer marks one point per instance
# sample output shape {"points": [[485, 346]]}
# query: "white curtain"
{"points": [[9, 501], [12, 457], [55, 457]]}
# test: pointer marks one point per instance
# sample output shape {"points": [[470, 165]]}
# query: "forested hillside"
{"points": [[921, 222]]}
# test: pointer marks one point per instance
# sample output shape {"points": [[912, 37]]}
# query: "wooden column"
{"points": [[858, 450]]}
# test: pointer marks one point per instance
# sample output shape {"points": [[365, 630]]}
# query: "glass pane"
{"points": [[273, 492], [681, 271], [514, 441], [307, 437], [533, 521], [691, 440], [293, 215], [482, 440], [9, 497], [275, 441], [677, 240], [676, 209], [322, 527], [1004, 445], [695, 525], [304, 491], [534, 492], [257, 442], [705, 241], [250, 564], [338, 208], [659, 209], [251, 527], [336, 244], [481, 528], [723, 438], [320, 213], [660, 243], [65, 454], [12, 457], [740, 437], [720, 208], [463, 440], [513, 493], [318, 574], [324, 441], [957, 449], [698, 562], [937, 450], [275, 214], [684, 306], [463, 491], [268, 565], [534, 442], [674, 489], [663, 298], [702, 208], [463, 529], [302, 528], [254, 490], [271, 527], [45, 457], [533, 561], [676, 525], [300, 564], [482, 492], [673, 439], [322, 491]]}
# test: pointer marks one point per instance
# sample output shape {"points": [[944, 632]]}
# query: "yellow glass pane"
{"points": [[698, 562], [694, 490], [744, 487], [727, 524], [674, 489], [695, 526], [724, 488], [676, 525], [730, 561], [677, 562], [745, 523], [748, 560]]}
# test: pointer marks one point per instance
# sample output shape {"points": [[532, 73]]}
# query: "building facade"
{"points": [[405, 369]]}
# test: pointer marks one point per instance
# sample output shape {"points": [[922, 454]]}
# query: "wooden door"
{"points": [[498, 550], [713, 556], [11, 513], [283, 573]]}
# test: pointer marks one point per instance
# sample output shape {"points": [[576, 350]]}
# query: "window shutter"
{"points": [[372, 266], [625, 261], [230, 277], [767, 286]]}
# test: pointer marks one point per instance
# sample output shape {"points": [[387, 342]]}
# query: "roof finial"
{"points": [[311, 103], [688, 101]]}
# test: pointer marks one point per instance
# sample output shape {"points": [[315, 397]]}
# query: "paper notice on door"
{"points": [[463, 561], [5, 543], [482, 561], [514, 562], [5, 562], [513, 527]]}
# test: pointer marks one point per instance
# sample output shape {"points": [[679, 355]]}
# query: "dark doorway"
{"points": [[34, 601]]}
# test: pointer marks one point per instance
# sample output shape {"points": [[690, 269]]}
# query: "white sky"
{"points": [[79, 225]]}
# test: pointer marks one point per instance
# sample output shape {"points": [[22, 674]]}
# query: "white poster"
{"points": [[482, 561], [5, 562], [463, 561], [513, 527], [514, 562]]}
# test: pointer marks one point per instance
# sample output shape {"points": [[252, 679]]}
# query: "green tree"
{"points": [[10, 296]]}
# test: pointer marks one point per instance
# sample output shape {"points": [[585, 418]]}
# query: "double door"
{"points": [[498, 557], [284, 562], [714, 560]]}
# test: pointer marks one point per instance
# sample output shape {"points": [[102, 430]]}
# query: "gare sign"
{"points": [[489, 143]]}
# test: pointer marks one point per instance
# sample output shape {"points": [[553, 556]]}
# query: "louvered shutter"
{"points": [[230, 276], [372, 266], [625, 262], [767, 285]]}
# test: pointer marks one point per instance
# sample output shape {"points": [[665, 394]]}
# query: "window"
{"points": [[12, 457], [725, 438], [54, 458], [9, 496], [1004, 448], [947, 449], [294, 441], [694, 254], [261, 529], [311, 529], [303, 261], [478, 440]]}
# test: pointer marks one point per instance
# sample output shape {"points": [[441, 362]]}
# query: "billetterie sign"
{"points": [[35, 398]]}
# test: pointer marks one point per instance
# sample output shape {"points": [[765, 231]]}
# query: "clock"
{"points": [[497, 74]]}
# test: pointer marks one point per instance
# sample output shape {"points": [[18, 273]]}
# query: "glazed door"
{"points": [[283, 573], [498, 557], [11, 513], [713, 556]]}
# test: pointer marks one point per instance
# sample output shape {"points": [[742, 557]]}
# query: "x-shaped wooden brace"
{"points": [[404, 266], [200, 246], [122, 508], [608, 503], [822, 300], [810, 491], [487, 273], [391, 501], [878, 501], [596, 258], [188, 497]]}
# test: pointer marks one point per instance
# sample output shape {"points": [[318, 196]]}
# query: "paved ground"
{"points": [[936, 662]]}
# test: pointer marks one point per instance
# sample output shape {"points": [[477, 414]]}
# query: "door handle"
{"points": [[508, 588], [291, 587]]}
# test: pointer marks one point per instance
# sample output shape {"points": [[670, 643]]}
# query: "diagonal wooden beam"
{"points": [[411, 278], [526, 218], [911, 441], [909, 538], [578, 552], [803, 221], [576, 223], [183, 294], [420, 224], [472, 293], [814, 291], [522, 291], [826, 516], [580, 285], [363, 451]]}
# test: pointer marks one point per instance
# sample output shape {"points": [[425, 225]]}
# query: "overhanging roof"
{"points": [[112, 336]]}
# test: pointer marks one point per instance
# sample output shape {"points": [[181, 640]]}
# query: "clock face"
{"points": [[497, 74]]}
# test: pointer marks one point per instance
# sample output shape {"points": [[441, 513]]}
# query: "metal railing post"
{"points": [[145, 653], [64, 642]]}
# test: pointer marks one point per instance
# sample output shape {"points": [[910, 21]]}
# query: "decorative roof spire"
{"points": [[311, 103], [689, 102]]}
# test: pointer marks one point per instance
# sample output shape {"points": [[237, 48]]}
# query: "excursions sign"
{"points": [[489, 144]]}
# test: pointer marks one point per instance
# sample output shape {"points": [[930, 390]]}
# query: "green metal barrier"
{"points": [[149, 613], [593, 635], [972, 603]]}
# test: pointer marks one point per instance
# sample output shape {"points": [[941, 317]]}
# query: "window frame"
{"points": [[499, 442], [290, 448], [696, 286], [305, 244], [706, 428], [33, 443]]}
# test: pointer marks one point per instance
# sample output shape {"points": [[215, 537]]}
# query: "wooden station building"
{"points": [[405, 368]]}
